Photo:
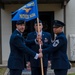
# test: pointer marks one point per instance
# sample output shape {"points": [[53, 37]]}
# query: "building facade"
{"points": [[64, 12]]}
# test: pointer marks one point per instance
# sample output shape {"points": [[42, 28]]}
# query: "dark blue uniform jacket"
{"points": [[18, 49], [46, 38], [59, 52]]}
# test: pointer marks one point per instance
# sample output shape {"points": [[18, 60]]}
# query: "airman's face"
{"points": [[21, 27], [40, 27], [57, 30]]}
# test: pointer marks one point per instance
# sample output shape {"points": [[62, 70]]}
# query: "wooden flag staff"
{"points": [[41, 60]]}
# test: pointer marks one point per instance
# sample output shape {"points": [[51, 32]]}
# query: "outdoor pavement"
{"points": [[49, 71], [26, 72]]}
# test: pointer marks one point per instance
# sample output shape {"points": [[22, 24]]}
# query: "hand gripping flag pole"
{"points": [[41, 60]]}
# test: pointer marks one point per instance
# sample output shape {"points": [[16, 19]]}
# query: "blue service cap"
{"points": [[36, 21], [20, 22], [58, 23]]}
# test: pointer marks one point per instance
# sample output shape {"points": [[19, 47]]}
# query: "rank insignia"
{"points": [[56, 42], [46, 40]]}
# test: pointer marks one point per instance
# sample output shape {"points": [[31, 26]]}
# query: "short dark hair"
{"points": [[20, 22]]}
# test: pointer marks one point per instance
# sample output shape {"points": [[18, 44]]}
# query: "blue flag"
{"points": [[27, 12]]}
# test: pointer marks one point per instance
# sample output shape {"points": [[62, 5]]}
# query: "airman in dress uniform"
{"points": [[58, 48], [18, 49], [46, 39]]}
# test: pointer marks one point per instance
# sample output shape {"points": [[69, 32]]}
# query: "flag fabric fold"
{"points": [[28, 12]]}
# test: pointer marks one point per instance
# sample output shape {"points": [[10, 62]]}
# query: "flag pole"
{"points": [[41, 60]]}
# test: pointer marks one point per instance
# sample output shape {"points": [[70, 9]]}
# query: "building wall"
{"points": [[70, 29], [58, 13], [70, 17], [6, 31], [0, 40]]}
